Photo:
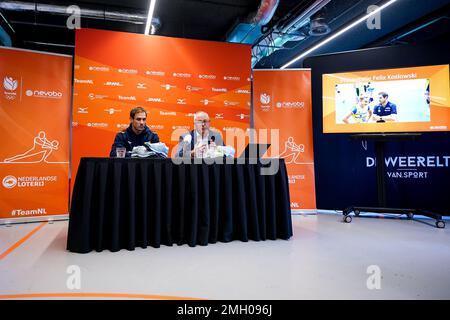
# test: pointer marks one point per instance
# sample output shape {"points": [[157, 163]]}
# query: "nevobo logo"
{"points": [[44, 94]]}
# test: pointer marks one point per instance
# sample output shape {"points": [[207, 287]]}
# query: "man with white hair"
{"points": [[202, 138]]}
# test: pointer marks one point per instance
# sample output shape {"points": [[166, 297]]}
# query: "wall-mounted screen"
{"points": [[412, 99]]}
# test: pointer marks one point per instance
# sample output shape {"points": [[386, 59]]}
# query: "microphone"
{"points": [[213, 139]]}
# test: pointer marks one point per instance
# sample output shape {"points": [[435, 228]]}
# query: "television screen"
{"points": [[412, 99]]}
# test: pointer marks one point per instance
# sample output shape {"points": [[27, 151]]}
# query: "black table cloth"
{"points": [[127, 203]]}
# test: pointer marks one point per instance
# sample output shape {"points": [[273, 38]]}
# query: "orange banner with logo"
{"points": [[171, 78], [282, 101], [35, 100]]}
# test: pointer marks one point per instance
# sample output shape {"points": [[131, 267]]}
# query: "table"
{"points": [[128, 203]]}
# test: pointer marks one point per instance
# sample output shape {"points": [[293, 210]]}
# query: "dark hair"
{"points": [[384, 94], [137, 110]]}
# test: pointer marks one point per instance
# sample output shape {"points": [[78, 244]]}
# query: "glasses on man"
{"points": [[201, 121]]}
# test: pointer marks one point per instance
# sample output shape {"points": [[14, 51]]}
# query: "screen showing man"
{"points": [[137, 133], [385, 110], [414, 99]]}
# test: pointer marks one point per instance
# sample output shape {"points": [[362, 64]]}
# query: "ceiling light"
{"points": [[334, 36], [151, 9]]}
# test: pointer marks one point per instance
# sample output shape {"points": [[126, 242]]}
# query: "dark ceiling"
{"points": [[42, 26]]}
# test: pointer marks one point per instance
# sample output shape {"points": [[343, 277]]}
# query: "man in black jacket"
{"points": [[136, 134]]}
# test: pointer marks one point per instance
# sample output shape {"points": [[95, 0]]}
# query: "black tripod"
{"points": [[380, 139]]}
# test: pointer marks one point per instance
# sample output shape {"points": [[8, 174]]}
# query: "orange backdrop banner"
{"points": [[35, 100], [171, 78], [282, 100]]}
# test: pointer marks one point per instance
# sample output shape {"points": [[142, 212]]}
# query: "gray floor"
{"points": [[326, 259]]}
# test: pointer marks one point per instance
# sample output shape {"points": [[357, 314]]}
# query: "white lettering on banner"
{"points": [[219, 89], [293, 178], [170, 113], [406, 167], [181, 75], [181, 101], [295, 205], [21, 212], [97, 124], [96, 96], [141, 86], [156, 127], [10, 182], [128, 71], [113, 84], [83, 81], [230, 103], [122, 125], [100, 69], [129, 98], [155, 73], [408, 175], [290, 105], [159, 100], [243, 91], [413, 162], [83, 110], [231, 78], [207, 76], [438, 128], [44, 94]]}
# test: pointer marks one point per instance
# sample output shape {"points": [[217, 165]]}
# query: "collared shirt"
{"points": [[387, 110]]}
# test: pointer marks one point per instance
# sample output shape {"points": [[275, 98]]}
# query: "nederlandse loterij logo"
{"points": [[10, 85], [264, 98], [9, 182]]}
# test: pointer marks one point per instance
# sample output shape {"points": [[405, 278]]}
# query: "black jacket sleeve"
{"points": [[154, 138]]}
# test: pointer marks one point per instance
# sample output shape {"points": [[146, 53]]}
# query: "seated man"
{"points": [[201, 139], [386, 110], [137, 134]]}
